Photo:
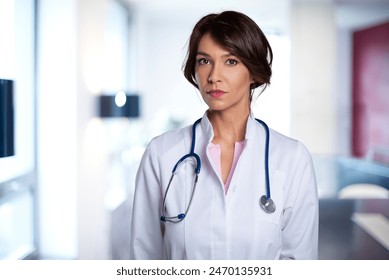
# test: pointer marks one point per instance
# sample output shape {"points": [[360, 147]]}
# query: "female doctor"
{"points": [[226, 187]]}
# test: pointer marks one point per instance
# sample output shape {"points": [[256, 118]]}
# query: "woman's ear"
{"points": [[254, 85]]}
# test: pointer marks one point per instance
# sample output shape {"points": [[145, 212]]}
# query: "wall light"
{"points": [[119, 105], [6, 118]]}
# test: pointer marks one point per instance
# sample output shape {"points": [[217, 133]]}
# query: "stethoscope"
{"points": [[266, 203]]}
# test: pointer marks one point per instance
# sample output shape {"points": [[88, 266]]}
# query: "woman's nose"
{"points": [[215, 74]]}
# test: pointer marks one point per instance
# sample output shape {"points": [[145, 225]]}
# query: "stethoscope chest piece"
{"points": [[267, 204]]}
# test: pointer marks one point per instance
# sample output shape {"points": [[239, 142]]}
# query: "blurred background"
{"points": [[86, 84]]}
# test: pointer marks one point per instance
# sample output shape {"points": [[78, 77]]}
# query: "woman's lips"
{"points": [[215, 93]]}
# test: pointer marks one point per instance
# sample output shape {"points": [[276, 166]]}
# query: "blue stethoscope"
{"points": [[266, 203]]}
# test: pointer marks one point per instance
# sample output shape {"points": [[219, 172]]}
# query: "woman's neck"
{"points": [[228, 127]]}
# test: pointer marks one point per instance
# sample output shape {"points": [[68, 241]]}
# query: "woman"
{"points": [[218, 205]]}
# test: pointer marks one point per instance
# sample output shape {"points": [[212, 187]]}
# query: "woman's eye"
{"points": [[203, 61], [231, 62]]}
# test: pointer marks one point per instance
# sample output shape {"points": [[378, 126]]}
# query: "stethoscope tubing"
{"points": [[265, 201], [181, 216], [198, 162], [266, 157]]}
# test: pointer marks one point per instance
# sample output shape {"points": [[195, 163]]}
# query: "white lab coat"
{"points": [[231, 226]]}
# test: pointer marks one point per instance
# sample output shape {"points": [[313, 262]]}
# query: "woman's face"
{"points": [[223, 80]]}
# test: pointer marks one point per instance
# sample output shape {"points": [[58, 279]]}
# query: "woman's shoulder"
{"points": [[280, 138], [171, 137], [288, 145]]}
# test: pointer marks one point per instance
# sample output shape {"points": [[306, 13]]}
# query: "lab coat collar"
{"points": [[207, 128]]}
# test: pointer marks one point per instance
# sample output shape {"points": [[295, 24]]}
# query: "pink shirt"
{"points": [[215, 153]]}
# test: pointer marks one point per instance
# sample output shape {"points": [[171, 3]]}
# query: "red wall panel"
{"points": [[370, 97]]}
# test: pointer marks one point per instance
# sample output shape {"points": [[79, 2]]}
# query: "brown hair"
{"points": [[238, 34]]}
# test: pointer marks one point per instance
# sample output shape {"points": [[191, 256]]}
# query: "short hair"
{"points": [[238, 34]]}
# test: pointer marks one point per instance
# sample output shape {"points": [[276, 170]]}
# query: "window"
{"points": [[17, 173]]}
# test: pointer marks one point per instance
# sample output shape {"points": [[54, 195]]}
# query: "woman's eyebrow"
{"points": [[207, 55], [202, 53]]}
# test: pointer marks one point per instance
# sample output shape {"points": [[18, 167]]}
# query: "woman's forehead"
{"points": [[208, 43]]}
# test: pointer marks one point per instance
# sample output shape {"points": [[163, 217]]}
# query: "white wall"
{"points": [[71, 151], [107, 148], [313, 65], [57, 128], [92, 224]]}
